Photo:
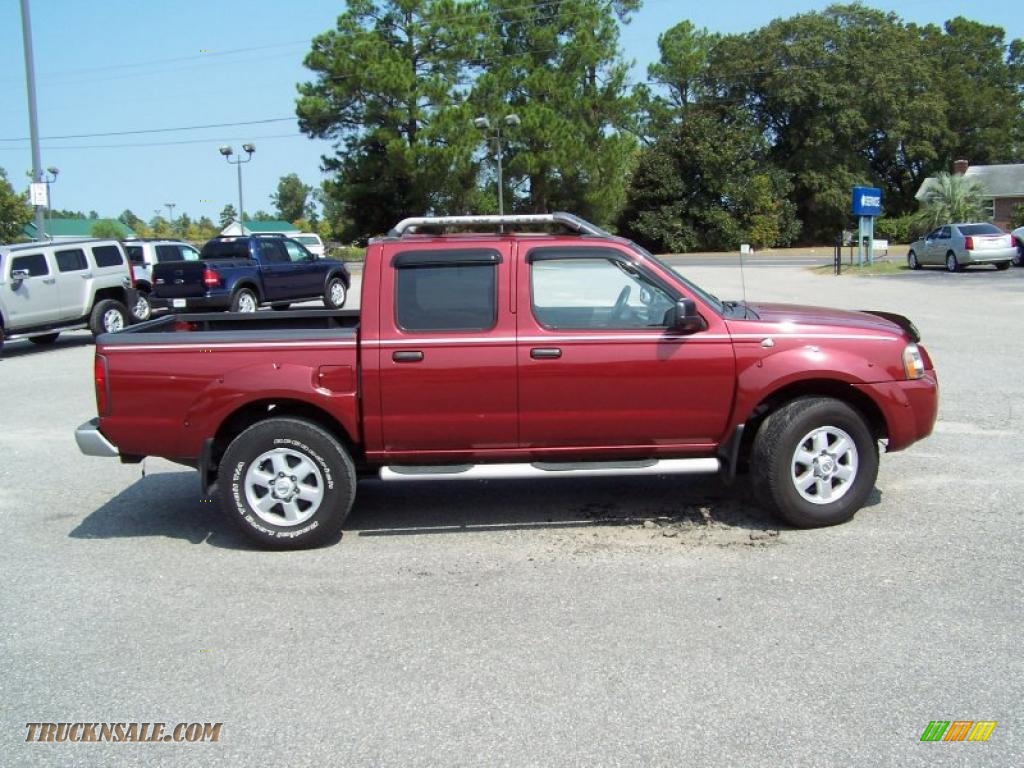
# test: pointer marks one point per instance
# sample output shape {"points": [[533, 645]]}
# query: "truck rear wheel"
{"points": [[335, 293], [108, 316], [244, 300], [814, 462], [287, 483]]}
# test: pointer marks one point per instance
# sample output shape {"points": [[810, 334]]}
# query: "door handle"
{"points": [[49, 280], [545, 353], [86, 275], [407, 356]]}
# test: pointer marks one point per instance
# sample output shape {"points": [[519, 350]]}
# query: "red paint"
{"points": [[481, 396]]}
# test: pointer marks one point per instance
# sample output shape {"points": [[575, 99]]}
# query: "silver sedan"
{"points": [[957, 246]]}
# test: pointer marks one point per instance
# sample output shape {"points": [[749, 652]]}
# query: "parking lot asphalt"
{"points": [[649, 621]]}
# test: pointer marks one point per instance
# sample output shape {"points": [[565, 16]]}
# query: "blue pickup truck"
{"points": [[241, 273]]}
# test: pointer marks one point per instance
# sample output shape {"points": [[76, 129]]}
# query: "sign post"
{"points": [[867, 205]]}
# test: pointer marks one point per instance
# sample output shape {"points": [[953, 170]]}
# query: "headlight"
{"points": [[913, 363]]}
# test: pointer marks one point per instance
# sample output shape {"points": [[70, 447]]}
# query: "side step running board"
{"points": [[550, 469]]}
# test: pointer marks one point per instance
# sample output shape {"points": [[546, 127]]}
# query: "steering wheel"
{"points": [[619, 310]]}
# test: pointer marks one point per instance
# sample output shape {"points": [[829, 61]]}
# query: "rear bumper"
{"points": [[91, 441], [909, 407], [192, 303], [989, 257]]}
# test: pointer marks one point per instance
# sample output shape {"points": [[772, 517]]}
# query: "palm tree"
{"points": [[952, 198]]}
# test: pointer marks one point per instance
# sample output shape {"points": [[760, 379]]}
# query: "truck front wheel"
{"points": [[108, 316], [814, 462], [287, 483]]}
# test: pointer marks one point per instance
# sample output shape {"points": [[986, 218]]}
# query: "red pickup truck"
{"points": [[512, 353]]}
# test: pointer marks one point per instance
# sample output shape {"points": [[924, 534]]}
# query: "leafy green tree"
{"points": [[389, 91], [228, 214], [557, 65], [846, 96], [60, 213], [160, 227], [680, 74], [105, 229], [130, 220], [1017, 216], [15, 212], [705, 184], [292, 199], [951, 198], [93, 215]]}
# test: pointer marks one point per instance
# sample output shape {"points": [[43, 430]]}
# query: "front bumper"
{"points": [[91, 441], [909, 408]]}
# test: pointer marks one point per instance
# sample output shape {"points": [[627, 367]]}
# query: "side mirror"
{"points": [[17, 277], [683, 317]]}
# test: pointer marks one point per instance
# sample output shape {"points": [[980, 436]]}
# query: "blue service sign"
{"points": [[867, 201]]}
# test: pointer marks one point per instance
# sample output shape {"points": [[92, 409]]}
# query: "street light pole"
{"points": [[228, 152], [484, 124], [170, 214], [51, 178], [33, 120]]}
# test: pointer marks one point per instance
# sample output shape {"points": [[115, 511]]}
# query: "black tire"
{"points": [[775, 458], [1002, 265], [281, 307], [912, 261], [104, 317], [244, 300], [331, 293], [952, 265], [44, 340], [141, 310], [259, 450]]}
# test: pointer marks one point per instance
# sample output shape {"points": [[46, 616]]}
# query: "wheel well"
{"points": [[260, 410], [247, 284], [117, 294], [838, 390]]}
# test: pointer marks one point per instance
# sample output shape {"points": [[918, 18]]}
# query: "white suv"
{"points": [[312, 242], [143, 254], [46, 288]]}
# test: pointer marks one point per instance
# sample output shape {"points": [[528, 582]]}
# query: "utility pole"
{"points": [[33, 120]]}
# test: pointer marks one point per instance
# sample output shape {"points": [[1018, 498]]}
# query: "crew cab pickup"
{"points": [[241, 273], [513, 354]]}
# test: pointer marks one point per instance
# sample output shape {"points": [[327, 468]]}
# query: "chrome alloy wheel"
{"points": [[337, 293], [246, 303], [824, 465], [113, 320], [284, 487], [142, 309]]}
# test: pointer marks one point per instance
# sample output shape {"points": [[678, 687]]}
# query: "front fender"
{"points": [[762, 372]]}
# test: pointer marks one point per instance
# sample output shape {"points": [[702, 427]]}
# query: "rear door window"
{"points": [[71, 261], [34, 264], [273, 252], [107, 256], [446, 290]]}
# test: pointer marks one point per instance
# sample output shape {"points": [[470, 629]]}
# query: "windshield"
{"points": [[707, 298], [980, 229]]}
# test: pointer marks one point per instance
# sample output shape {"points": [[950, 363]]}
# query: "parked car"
{"points": [[48, 288], [143, 254], [958, 246], [1018, 240], [501, 356], [241, 273], [312, 242]]}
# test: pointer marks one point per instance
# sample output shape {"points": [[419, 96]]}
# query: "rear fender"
{"points": [[268, 382]]}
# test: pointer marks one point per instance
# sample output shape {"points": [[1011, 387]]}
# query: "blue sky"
{"points": [[120, 65]]}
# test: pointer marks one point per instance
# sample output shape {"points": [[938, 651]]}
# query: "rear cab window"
{"points": [[980, 229], [226, 249], [441, 290]]}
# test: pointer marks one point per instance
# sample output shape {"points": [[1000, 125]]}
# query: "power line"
{"points": [[162, 143], [159, 130]]}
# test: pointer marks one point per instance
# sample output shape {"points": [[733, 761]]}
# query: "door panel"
{"points": [[74, 283], [276, 269], [447, 353], [599, 370], [36, 300], [308, 275]]}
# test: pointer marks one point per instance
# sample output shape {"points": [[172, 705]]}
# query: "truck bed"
{"points": [[236, 326]]}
